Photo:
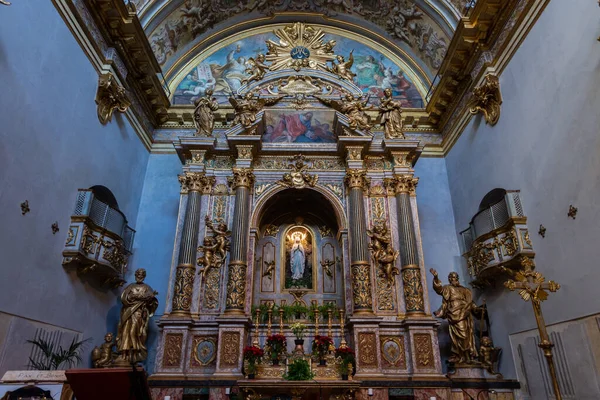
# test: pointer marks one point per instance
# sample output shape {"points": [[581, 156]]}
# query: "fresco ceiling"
{"points": [[418, 31]]}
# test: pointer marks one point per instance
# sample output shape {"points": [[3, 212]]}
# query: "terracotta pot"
{"points": [[299, 346]]}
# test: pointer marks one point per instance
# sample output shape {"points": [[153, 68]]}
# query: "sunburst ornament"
{"points": [[300, 46]]}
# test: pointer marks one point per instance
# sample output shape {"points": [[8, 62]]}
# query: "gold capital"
{"points": [[242, 177], [196, 182], [357, 178], [406, 183]]}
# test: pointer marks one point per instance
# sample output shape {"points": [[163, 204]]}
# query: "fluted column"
{"points": [[360, 267], [242, 181], [411, 272], [194, 183]]}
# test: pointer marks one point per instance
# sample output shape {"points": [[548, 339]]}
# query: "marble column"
{"points": [[242, 181], [360, 267], [194, 183], [405, 185]]}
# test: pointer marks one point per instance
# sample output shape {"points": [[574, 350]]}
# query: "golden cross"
{"points": [[532, 286]]}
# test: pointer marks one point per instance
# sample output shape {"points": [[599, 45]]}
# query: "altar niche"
{"points": [[298, 250]]}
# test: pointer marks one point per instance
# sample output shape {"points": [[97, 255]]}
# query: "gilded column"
{"points": [[194, 183], [242, 181], [411, 272], [357, 182]]}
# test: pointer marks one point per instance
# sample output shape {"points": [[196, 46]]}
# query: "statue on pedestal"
{"points": [[390, 111], [139, 303], [204, 117], [458, 308]]}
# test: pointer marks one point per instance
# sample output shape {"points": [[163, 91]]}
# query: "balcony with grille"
{"points": [[99, 241], [495, 239]]}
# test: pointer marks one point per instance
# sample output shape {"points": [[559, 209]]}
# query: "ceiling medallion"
{"points": [[300, 46]]}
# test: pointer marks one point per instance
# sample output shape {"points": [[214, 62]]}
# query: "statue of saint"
{"points": [[204, 118], [457, 307], [139, 303], [390, 111], [297, 256]]}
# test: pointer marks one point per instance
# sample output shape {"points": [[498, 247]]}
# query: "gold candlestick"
{"points": [[270, 318], [281, 320], [255, 342], [316, 311], [329, 330], [343, 343]]}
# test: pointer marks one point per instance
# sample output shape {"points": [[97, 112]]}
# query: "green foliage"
{"points": [[303, 283], [296, 311], [55, 356], [298, 370], [264, 308]]}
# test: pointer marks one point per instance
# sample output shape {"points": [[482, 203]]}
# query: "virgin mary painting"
{"points": [[298, 261]]}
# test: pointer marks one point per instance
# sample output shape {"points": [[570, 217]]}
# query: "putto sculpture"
{"points": [[104, 356], [382, 251], [246, 107], [256, 68], [342, 67], [214, 247], [352, 107]]}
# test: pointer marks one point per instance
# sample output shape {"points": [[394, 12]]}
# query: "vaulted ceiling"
{"points": [[418, 31]]}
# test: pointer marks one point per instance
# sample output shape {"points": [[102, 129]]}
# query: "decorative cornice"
{"points": [[110, 96], [121, 28], [487, 99]]}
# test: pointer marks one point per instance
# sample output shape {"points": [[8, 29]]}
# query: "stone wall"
{"points": [[51, 145], [546, 145]]}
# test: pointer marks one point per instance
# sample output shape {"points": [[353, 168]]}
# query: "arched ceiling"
{"points": [[417, 31]]}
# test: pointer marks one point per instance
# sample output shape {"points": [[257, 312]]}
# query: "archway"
{"points": [[297, 249]]}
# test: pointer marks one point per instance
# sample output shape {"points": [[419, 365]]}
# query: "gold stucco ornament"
{"points": [[110, 96], [487, 99]]}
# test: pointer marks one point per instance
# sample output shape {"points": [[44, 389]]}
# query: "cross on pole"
{"points": [[532, 286]]}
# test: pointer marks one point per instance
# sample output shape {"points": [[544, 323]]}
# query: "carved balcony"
{"points": [[496, 237], [99, 241]]}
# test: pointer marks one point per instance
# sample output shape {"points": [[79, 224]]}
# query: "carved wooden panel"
{"points": [[230, 349], [329, 269], [367, 349], [212, 285], [172, 350], [424, 350], [267, 268]]}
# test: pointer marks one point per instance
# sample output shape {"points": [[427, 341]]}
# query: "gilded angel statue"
{"points": [[247, 106], [342, 68], [352, 107], [257, 69]]}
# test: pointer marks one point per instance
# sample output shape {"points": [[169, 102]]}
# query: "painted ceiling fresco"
{"points": [[224, 71], [403, 21]]}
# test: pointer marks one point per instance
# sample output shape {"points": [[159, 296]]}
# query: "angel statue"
{"points": [[257, 69], [204, 118], [342, 68], [208, 259], [382, 251], [221, 235], [247, 106], [390, 112], [104, 356], [352, 107]]}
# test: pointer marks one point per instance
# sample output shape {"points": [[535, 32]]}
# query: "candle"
{"points": [[167, 397], [370, 391], [227, 391]]}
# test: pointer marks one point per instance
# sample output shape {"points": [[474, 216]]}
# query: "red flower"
{"points": [[344, 352], [276, 339], [253, 353], [321, 344]]}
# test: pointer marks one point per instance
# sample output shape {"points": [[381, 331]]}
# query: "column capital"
{"points": [[243, 177], [405, 183], [357, 178], [195, 182]]}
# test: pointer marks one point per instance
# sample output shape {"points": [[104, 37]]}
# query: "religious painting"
{"points": [[298, 253], [298, 127], [224, 71]]}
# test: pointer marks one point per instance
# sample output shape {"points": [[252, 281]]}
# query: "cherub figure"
{"points": [[209, 258], [270, 269], [103, 356], [221, 235], [342, 68], [488, 354], [247, 106], [386, 261], [353, 108], [382, 251], [257, 69]]}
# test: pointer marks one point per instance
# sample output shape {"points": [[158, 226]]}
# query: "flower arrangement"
{"points": [[347, 359], [320, 345], [254, 356], [277, 344], [298, 329]]}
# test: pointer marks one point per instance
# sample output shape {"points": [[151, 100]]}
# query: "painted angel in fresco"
{"points": [[247, 106], [257, 69], [204, 117], [297, 256], [390, 112], [221, 235], [354, 108], [342, 68]]}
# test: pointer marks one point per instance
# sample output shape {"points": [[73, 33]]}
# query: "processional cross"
{"points": [[532, 286]]}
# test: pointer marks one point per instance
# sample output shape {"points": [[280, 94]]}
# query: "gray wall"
{"points": [[546, 144], [51, 145]]}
